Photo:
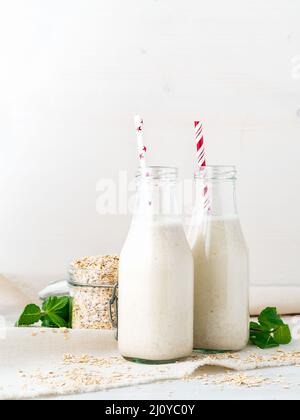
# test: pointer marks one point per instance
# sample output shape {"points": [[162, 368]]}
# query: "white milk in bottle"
{"points": [[221, 302], [156, 275]]}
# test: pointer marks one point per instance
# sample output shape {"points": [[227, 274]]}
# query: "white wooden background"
{"points": [[72, 74]]}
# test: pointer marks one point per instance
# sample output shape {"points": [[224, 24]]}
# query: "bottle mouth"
{"points": [[217, 172], [164, 173]]}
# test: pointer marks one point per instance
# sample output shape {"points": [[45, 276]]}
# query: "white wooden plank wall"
{"points": [[72, 74]]}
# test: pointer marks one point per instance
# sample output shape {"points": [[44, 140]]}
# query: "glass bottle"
{"points": [[221, 300], [156, 275]]}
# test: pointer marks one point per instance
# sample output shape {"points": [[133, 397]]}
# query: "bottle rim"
{"points": [[157, 173], [217, 172]]}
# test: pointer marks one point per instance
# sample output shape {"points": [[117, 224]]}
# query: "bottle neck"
{"points": [[156, 200], [156, 194], [216, 197]]}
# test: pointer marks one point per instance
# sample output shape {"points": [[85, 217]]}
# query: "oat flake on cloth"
{"points": [[38, 363]]}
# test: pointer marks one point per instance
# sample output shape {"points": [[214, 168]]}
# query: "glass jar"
{"points": [[156, 275], [221, 301], [94, 292]]}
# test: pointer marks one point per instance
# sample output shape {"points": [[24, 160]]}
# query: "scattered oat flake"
{"points": [[234, 379]]}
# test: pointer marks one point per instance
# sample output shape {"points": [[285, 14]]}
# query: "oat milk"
{"points": [[221, 310], [156, 292]]}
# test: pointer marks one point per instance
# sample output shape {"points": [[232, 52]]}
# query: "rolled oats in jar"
{"points": [[93, 287]]}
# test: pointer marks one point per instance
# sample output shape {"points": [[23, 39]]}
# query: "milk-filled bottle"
{"points": [[156, 275], [221, 299]]}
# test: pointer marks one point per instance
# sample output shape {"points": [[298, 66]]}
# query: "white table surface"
{"points": [[288, 389]]}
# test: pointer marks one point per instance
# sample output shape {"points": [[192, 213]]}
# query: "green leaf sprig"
{"points": [[55, 313], [270, 331]]}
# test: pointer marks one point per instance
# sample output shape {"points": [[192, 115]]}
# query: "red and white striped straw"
{"points": [[201, 159], [142, 149]]}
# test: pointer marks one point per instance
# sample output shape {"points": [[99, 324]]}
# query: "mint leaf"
{"points": [[283, 335], [30, 315], [56, 312], [269, 319], [255, 326], [263, 340], [55, 304], [47, 323], [57, 320], [270, 331]]}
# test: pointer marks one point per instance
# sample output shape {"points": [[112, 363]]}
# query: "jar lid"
{"points": [[95, 271]]}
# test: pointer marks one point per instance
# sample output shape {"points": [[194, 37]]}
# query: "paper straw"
{"points": [[142, 149], [201, 159]]}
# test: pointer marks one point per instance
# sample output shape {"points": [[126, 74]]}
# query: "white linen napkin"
{"points": [[12, 299], [42, 362]]}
